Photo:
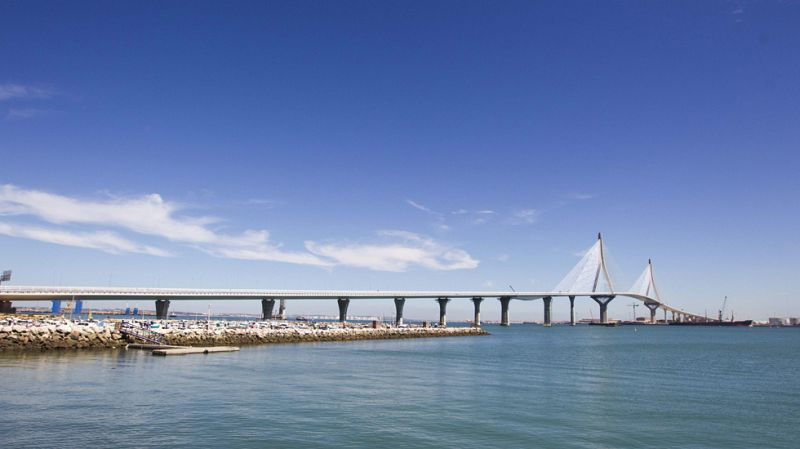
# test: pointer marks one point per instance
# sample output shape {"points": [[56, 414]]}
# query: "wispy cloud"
{"points": [[268, 252], [148, 214], [477, 212], [24, 113], [23, 93], [152, 216], [261, 202], [416, 205], [102, 240], [524, 217], [19, 91], [440, 224], [407, 249], [739, 11], [477, 217], [579, 196]]}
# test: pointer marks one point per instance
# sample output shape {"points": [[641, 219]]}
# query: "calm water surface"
{"points": [[523, 386]]}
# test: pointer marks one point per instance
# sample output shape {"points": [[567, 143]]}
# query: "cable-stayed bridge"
{"points": [[589, 278]]}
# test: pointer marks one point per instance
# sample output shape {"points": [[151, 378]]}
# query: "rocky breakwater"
{"points": [[238, 337], [62, 335]]}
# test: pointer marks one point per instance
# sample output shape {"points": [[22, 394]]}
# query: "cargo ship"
{"points": [[742, 323], [718, 322]]}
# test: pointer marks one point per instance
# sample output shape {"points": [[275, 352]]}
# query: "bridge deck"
{"points": [[43, 293]]}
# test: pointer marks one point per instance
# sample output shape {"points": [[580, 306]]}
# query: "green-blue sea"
{"points": [[521, 387]]}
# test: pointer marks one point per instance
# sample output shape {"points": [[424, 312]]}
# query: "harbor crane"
{"points": [[633, 306]]}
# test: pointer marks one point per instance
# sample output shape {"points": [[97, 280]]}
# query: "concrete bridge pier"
{"points": [[665, 316], [398, 307], [443, 311], [548, 309], [653, 306], [477, 303], [267, 306], [603, 302], [162, 309], [504, 301], [5, 307], [673, 316], [343, 304], [282, 310], [571, 310]]}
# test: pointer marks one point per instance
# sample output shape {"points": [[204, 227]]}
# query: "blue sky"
{"points": [[407, 145]]}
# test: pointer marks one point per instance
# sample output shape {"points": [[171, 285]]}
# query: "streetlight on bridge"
{"points": [[5, 306]]}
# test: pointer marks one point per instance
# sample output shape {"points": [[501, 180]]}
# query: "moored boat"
{"points": [[609, 324]]}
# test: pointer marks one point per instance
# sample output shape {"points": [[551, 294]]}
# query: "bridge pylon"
{"points": [[590, 274], [602, 266], [645, 286]]}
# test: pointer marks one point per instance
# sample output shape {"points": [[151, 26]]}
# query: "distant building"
{"points": [[794, 321], [778, 321]]}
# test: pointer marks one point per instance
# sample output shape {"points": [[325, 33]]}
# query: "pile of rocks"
{"points": [[66, 335], [69, 335], [193, 337]]}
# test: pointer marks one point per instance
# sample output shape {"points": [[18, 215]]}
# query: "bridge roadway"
{"points": [[163, 296]]}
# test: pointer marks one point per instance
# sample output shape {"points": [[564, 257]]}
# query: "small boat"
{"points": [[609, 324]]}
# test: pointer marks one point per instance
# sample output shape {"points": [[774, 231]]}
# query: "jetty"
{"points": [[194, 350], [51, 333], [165, 350]]}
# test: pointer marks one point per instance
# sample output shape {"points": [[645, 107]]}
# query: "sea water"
{"points": [[524, 386]]}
